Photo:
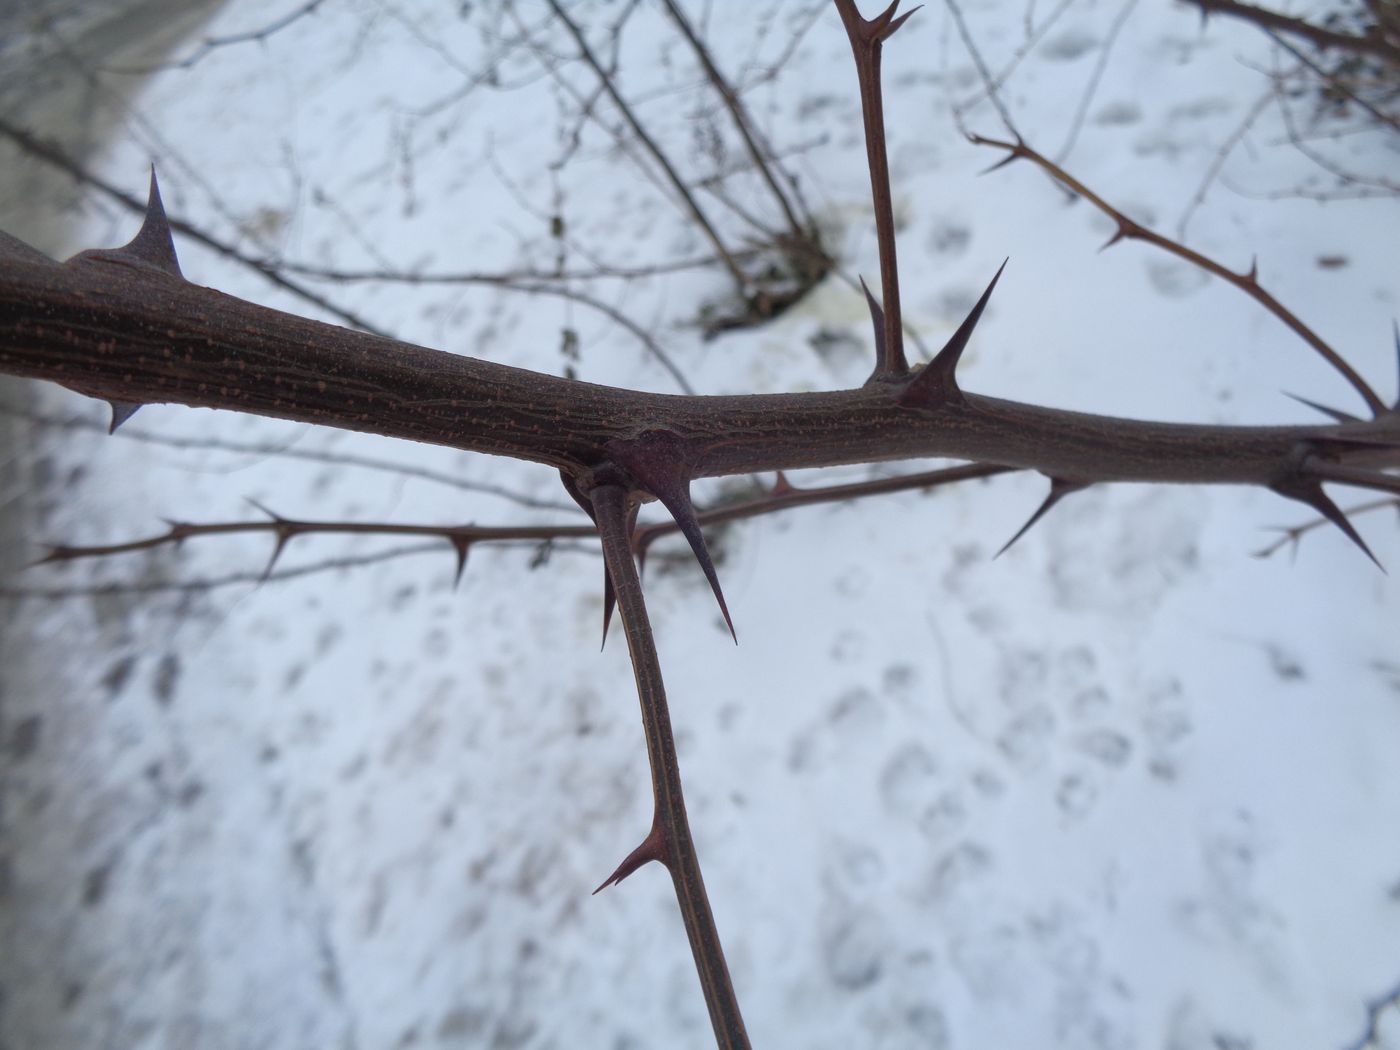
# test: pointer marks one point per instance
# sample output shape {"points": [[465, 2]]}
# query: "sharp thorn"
{"points": [[885, 365], [677, 501], [460, 545], [271, 514], [1010, 156], [1253, 275], [782, 486], [937, 381], [652, 848], [1059, 489], [283, 535], [1311, 493], [153, 243], [121, 412], [1331, 413], [656, 460]]}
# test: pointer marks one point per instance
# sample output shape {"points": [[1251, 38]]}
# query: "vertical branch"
{"points": [[691, 204], [669, 840], [866, 36]]}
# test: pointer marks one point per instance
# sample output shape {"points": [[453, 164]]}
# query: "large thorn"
{"points": [[1059, 489], [153, 244], [656, 460], [1333, 413], [121, 412], [936, 383], [1309, 491], [653, 848]]}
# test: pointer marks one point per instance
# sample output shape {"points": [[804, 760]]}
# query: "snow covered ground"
{"points": [[1125, 786]]}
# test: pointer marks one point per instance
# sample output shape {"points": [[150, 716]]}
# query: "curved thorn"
{"points": [[1310, 492], [937, 381], [677, 501], [1059, 489], [883, 366], [121, 412], [656, 459], [1332, 413]]}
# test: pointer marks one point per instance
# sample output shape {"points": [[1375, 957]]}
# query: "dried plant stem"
{"points": [[692, 206], [669, 841], [799, 228]]}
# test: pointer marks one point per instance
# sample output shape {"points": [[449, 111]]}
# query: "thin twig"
{"points": [[213, 43], [1247, 282]]}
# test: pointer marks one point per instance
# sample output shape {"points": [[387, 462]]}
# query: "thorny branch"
{"points": [[123, 325]]}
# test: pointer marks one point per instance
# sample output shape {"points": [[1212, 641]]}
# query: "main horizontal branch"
{"points": [[127, 332]]}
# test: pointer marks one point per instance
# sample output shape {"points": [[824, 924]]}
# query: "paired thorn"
{"points": [[936, 383], [872, 31], [1059, 489], [652, 848], [121, 412], [1331, 413], [1309, 491]]}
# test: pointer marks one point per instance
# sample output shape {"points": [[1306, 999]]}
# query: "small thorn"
{"points": [[1123, 230], [283, 535], [1059, 489], [782, 486], [460, 544], [121, 412], [271, 514], [54, 554], [1310, 492], [1331, 413], [937, 381], [1253, 275], [652, 848], [1010, 156]]}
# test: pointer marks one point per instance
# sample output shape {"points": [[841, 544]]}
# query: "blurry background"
{"points": [[1125, 786]]}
